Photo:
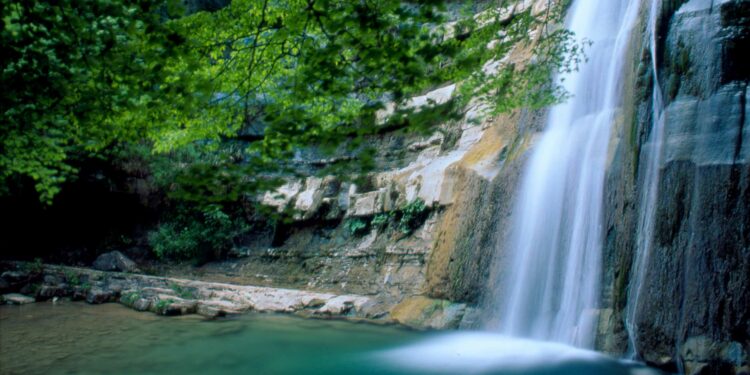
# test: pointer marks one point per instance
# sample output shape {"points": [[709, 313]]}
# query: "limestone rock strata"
{"points": [[465, 173]]}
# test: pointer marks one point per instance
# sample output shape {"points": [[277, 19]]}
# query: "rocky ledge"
{"points": [[22, 283]]}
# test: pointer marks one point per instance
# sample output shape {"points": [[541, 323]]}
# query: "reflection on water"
{"points": [[75, 338]]}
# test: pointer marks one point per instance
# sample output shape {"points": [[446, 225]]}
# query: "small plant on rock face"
{"points": [[130, 298], [162, 305], [380, 220], [406, 219], [412, 216], [72, 278], [182, 292], [35, 267], [355, 226]]}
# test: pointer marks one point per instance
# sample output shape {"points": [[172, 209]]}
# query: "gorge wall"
{"points": [[694, 304], [693, 311], [349, 236], [433, 276]]}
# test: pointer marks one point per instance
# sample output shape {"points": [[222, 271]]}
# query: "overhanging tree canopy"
{"points": [[80, 76]]}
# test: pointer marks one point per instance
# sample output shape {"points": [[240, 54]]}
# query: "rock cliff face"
{"points": [[694, 307], [426, 275], [428, 266], [421, 238]]}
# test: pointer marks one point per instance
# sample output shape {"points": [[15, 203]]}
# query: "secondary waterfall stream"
{"points": [[552, 288], [650, 166]]}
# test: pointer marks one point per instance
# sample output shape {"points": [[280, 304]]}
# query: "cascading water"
{"points": [[553, 283], [651, 160]]}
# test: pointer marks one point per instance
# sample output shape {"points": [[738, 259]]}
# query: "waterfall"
{"points": [[552, 286], [651, 160]]}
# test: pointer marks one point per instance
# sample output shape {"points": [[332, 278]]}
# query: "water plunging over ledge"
{"points": [[553, 283]]}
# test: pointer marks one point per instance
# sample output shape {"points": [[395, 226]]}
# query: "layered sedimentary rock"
{"points": [[172, 296], [694, 309]]}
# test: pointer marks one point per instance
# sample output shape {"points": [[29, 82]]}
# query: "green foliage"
{"points": [[162, 305], [182, 292], [355, 226], [525, 80], [406, 219], [77, 76], [171, 241], [36, 267], [202, 174], [412, 215], [277, 75], [72, 278], [380, 220], [191, 235], [130, 298]]}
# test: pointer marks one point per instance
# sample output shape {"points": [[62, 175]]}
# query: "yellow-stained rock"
{"points": [[424, 312]]}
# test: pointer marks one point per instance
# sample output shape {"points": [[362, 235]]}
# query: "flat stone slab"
{"points": [[18, 299], [173, 295]]}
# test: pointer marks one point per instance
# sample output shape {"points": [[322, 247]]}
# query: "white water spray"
{"points": [[553, 284]]}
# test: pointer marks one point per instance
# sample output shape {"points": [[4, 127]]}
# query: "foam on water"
{"points": [[486, 352]]}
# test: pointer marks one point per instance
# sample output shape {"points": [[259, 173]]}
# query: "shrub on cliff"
{"points": [[197, 236]]}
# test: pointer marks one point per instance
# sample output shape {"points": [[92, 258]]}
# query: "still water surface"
{"points": [[76, 338]]}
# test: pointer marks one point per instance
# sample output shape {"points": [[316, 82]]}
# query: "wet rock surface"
{"points": [[115, 261], [695, 302], [422, 312], [172, 296]]}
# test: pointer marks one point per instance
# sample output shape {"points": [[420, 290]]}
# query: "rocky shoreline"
{"points": [[22, 283]]}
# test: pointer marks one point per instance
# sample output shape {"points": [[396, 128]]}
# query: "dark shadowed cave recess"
{"points": [[93, 213]]}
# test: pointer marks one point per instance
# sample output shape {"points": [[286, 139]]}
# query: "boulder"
{"points": [[28, 289], [142, 304], [309, 200], [365, 204], [15, 276], [50, 291], [116, 286], [79, 293], [97, 296], [18, 299], [179, 307], [210, 311], [339, 305], [115, 261], [51, 280], [331, 187], [282, 196]]}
